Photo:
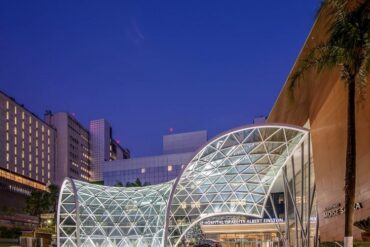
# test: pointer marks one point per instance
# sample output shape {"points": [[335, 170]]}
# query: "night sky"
{"points": [[148, 66]]}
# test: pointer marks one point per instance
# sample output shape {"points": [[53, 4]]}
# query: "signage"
{"points": [[241, 221], [337, 209]]}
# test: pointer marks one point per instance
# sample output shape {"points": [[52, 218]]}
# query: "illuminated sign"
{"points": [[241, 221]]}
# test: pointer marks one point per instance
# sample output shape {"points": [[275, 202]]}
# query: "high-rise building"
{"points": [[178, 149], [72, 147], [184, 142], [27, 155], [103, 147]]}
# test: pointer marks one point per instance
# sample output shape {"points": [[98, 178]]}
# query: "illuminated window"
{"points": [[7, 157], [7, 104], [22, 114], [15, 130], [7, 146], [15, 109], [169, 168], [7, 126], [15, 151], [30, 120], [42, 128], [37, 125], [48, 132], [7, 136], [7, 115], [15, 121], [142, 170]]}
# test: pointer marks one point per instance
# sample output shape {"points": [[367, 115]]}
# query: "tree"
{"points": [[40, 202], [118, 184], [137, 183], [53, 197], [347, 48]]}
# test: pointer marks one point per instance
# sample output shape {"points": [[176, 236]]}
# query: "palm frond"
{"points": [[363, 73], [336, 9], [323, 56]]}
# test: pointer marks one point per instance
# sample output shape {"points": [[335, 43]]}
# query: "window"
{"points": [[142, 170], [169, 168]]}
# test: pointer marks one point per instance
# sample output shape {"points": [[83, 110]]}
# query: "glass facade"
{"points": [[149, 175], [233, 174]]}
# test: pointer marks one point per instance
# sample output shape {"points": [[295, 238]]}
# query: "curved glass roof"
{"points": [[232, 174]]}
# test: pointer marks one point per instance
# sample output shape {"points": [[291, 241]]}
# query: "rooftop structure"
{"points": [[233, 174]]}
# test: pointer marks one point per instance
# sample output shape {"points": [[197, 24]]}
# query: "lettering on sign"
{"points": [[240, 221], [337, 209]]}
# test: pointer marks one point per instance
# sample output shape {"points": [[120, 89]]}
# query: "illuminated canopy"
{"points": [[232, 174]]}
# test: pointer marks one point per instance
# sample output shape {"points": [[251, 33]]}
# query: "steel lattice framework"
{"points": [[232, 174]]}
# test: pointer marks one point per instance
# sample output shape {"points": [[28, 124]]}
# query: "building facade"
{"points": [[178, 149], [320, 104], [27, 154], [72, 147], [103, 147]]}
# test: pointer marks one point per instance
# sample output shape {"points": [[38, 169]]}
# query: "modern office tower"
{"points": [[259, 120], [103, 147], [27, 155], [184, 142], [178, 149], [72, 147]]}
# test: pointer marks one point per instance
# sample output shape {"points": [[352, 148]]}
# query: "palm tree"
{"points": [[347, 48]]}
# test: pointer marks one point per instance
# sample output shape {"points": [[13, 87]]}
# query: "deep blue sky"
{"points": [[147, 66]]}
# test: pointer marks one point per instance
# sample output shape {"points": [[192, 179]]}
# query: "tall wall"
{"points": [[321, 99]]}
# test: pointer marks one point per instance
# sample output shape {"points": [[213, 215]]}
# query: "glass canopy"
{"points": [[232, 174]]}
